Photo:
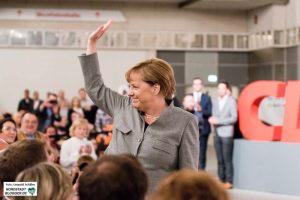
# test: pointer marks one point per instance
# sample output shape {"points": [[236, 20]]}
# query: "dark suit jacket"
{"points": [[27, 106], [206, 112], [206, 106]]}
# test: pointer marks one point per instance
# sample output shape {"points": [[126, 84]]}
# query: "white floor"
{"points": [[237, 194]]}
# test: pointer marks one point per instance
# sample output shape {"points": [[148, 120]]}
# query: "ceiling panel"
{"points": [[232, 4], [184, 4]]}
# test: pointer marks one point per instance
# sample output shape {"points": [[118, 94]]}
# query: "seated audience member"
{"points": [[77, 145], [89, 109], [17, 118], [81, 164], [189, 184], [7, 115], [85, 101], [48, 112], [53, 182], [19, 156], [102, 142], [75, 107], [63, 103], [51, 138], [113, 177], [8, 132], [28, 129], [103, 122]]}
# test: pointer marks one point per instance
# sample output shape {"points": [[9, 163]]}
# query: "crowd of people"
{"points": [[154, 150]]}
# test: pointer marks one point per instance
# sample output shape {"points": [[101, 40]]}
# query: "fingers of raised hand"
{"points": [[100, 30]]}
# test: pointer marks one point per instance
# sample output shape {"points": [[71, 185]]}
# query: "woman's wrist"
{"points": [[91, 48]]}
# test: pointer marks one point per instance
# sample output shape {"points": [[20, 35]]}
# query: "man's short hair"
{"points": [[113, 177], [19, 156], [225, 83]]}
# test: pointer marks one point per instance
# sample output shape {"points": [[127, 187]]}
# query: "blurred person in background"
{"points": [[26, 103], [19, 156], [49, 112], [77, 145], [113, 177], [89, 109], [8, 132], [53, 182], [75, 107], [203, 107], [28, 129], [53, 140], [17, 117], [223, 119], [37, 102], [85, 101], [187, 184]]}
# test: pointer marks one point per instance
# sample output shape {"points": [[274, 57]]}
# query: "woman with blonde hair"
{"points": [[188, 184], [77, 145], [53, 183]]}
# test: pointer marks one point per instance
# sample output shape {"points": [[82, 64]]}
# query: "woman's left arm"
{"points": [[189, 146]]}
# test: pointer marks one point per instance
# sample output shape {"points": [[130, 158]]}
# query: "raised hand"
{"points": [[95, 36]]}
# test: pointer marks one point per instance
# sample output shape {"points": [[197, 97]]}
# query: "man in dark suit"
{"points": [[203, 107], [26, 103]]}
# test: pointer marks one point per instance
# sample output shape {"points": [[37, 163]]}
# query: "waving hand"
{"points": [[95, 36]]}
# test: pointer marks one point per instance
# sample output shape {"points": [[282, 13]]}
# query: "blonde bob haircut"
{"points": [[189, 184], [79, 122], [53, 183], [156, 71]]}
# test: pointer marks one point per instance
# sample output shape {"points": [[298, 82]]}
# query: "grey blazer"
{"points": [[226, 117], [170, 143]]}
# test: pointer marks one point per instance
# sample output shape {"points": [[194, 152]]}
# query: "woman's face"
{"points": [[140, 92], [81, 131], [8, 132], [76, 103]]}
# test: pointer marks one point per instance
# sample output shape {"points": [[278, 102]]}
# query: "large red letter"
{"points": [[291, 125], [251, 126]]}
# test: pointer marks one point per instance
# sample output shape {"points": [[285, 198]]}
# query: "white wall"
{"points": [[292, 14], [50, 70], [268, 18]]}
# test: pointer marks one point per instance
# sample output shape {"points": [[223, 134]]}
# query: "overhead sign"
{"points": [[61, 14]]}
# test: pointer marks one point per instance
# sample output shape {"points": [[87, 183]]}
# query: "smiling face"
{"points": [[8, 132], [29, 123], [197, 85], [140, 92], [222, 89]]}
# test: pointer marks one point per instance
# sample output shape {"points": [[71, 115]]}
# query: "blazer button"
{"points": [[139, 140]]}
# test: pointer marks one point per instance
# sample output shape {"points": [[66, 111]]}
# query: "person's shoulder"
{"points": [[232, 99], [69, 140], [205, 95]]}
